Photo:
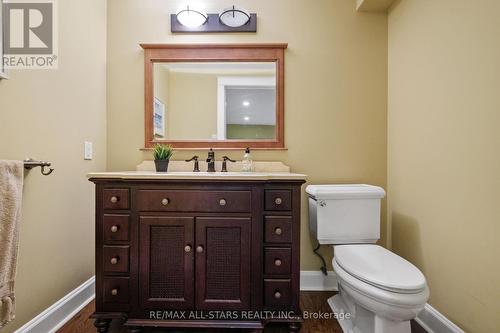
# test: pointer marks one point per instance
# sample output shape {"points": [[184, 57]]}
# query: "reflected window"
{"points": [[250, 112]]}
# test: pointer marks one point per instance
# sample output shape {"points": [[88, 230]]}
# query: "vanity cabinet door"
{"points": [[166, 262], [223, 263]]}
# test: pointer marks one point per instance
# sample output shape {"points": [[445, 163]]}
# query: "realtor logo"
{"points": [[30, 34]]}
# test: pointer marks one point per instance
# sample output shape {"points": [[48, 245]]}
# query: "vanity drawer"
{"points": [[277, 293], [115, 198], [115, 259], [116, 290], [115, 227], [277, 261], [278, 229], [194, 201], [278, 200]]}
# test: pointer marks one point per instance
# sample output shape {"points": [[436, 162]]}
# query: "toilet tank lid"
{"points": [[345, 191]]}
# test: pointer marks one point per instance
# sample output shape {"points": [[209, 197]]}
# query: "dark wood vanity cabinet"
{"points": [[194, 253]]}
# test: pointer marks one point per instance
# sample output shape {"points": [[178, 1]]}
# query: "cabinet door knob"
{"points": [[165, 201], [114, 228], [114, 292], [278, 201], [114, 199], [114, 261], [277, 262], [199, 249], [278, 231], [277, 295], [222, 202], [187, 248]]}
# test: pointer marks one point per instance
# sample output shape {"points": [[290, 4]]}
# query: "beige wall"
{"points": [[237, 131], [444, 161], [335, 86], [192, 107], [47, 114]]}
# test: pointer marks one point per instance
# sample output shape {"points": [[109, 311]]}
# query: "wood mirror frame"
{"points": [[154, 53]]}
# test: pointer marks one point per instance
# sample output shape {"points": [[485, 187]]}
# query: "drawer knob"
{"points": [[114, 228], [277, 262], [277, 295], [199, 249], [114, 261], [222, 202], [278, 231], [278, 201], [114, 292], [165, 201], [187, 248], [114, 199]]}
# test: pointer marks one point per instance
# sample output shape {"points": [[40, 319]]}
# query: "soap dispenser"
{"points": [[247, 161]]}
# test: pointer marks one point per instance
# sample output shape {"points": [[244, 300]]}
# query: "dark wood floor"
{"points": [[312, 301]]}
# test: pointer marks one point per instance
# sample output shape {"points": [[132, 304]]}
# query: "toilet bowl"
{"points": [[379, 290]]}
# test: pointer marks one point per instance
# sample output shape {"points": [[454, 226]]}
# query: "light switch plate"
{"points": [[88, 150]]}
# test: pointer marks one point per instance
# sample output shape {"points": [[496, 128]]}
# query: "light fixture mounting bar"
{"points": [[213, 24]]}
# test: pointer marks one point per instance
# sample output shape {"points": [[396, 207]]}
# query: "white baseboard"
{"points": [[53, 318], [316, 281], [435, 322]]}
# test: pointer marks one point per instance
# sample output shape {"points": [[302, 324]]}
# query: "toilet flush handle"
{"points": [[322, 203]]}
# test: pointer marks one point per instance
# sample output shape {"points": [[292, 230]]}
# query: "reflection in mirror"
{"points": [[214, 101]]}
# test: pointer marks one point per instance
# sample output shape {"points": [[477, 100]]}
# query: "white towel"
{"points": [[11, 190]]}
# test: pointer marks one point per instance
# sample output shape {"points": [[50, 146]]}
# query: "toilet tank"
{"points": [[345, 214]]}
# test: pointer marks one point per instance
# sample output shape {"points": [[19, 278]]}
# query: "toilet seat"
{"points": [[380, 268], [371, 293]]}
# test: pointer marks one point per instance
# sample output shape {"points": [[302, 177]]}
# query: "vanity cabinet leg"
{"points": [[294, 327], [102, 325], [134, 329]]}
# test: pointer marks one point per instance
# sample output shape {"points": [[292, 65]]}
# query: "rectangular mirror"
{"points": [[215, 100], [221, 96]]}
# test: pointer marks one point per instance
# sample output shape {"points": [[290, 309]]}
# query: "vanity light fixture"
{"points": [[234, 17], [191, 17], [245, 103]]}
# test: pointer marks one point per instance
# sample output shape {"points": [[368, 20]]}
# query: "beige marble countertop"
{"points": [[199, 175]]}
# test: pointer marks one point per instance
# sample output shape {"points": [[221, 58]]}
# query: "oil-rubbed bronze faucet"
{"points": [[196, 165], [224, 163], [211, 161]]}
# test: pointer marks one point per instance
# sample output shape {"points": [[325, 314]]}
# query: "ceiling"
{"points": [[373, 5]]}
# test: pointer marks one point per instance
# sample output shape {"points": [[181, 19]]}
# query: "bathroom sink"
{"points": [[196, 175]]}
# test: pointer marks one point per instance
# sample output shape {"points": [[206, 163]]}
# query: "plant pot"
{"points": [[161, 165]]}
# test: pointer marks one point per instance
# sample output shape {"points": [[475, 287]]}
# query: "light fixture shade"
{"points": [[191, 17], [234, 17]]}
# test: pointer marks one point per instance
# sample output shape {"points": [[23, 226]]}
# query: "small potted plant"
{"points": [[162, 154]]}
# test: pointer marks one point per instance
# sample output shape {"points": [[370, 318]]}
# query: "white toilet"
{"points": [[379, 292]]}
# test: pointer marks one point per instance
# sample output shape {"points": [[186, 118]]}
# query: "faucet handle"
{"points": [[224, 163], [196, 164]]}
